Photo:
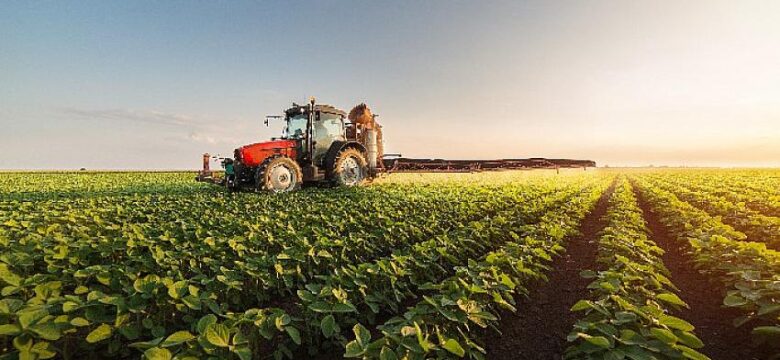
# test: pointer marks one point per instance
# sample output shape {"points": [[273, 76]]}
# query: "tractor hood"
{"points": [[255, 154]]}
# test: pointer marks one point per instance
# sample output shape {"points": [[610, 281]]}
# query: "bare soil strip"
{"points": [[538, 330], [713, 321]]}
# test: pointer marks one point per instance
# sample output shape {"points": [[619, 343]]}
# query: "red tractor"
{"points": [[319, 143]]}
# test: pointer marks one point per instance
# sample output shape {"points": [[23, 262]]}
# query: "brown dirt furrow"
{"points": [[712, 320], [538, 330]]}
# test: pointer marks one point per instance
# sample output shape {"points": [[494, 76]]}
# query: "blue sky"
{"points": [[152, 84]]}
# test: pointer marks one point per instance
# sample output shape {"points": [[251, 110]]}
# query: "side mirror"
{"points": [[269, 117]]}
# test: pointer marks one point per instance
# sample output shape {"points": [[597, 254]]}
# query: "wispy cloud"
{"points": [[182, 127], [147, 116]]}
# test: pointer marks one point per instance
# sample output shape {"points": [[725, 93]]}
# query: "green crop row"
{"points": [[69, 185], [626, 314], [756, 226], [441, 324], [763, 199], [748, 271]]}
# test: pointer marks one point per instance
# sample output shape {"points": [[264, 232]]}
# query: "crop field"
{"points": [[596, 264]]}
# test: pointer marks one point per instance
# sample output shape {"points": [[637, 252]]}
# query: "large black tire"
{"points": [[230, 183], [349, 168], [278, 174]]}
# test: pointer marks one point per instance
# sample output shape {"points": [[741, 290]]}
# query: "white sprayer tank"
{"points": [[372, 148]]}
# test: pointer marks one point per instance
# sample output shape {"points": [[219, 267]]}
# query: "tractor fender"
{"points": [[334, 150]]}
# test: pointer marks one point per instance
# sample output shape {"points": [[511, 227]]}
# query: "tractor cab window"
{"points": [[296, 127], [327, 129]]}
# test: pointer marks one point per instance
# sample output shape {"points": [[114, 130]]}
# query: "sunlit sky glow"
{"points": [[152, 85]]}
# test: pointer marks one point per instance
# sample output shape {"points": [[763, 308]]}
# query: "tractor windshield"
{"points": [[296, 127]]}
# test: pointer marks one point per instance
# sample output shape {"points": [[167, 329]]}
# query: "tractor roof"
{"points": [[328, 109]]}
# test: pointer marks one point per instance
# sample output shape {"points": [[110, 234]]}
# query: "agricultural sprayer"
{"points": [[321, 143]]}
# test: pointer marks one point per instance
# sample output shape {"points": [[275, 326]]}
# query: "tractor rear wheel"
{"points": [[278, 174], [350, 167]]}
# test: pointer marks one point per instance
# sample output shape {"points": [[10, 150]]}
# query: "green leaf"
{"points": [[328, 326], [204, 322], [130, 332], [27, 318], [343, 308], [243, 352], [635, 352], [10, 329], [608, 286], [675, 323], [387, 354], [767, 331], [146, 344], [43, 349], [158, 331], [157, 353], [48, 290], [734, 301], [8, 276], [768, 309], [362, 335], [624, 317], [689, 339], [101, 333], [631, 337], [47, 331], [581, 305], [692, 354], [320, 307], [672, 299], [69, 306], [177, 289], [240, 339], [353, 350], [282, 321], [10, 306], [192, 302], [454, 347], [218, 335], [599, 341], [664, 335], [295, 335], [10, 290], [177, 338]]}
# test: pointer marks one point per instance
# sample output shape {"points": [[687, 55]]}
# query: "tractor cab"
{"points": [[318, 143], [315, 130]]}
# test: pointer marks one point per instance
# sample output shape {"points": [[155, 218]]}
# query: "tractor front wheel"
{"points": [[278, 174], [350, 167]]}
